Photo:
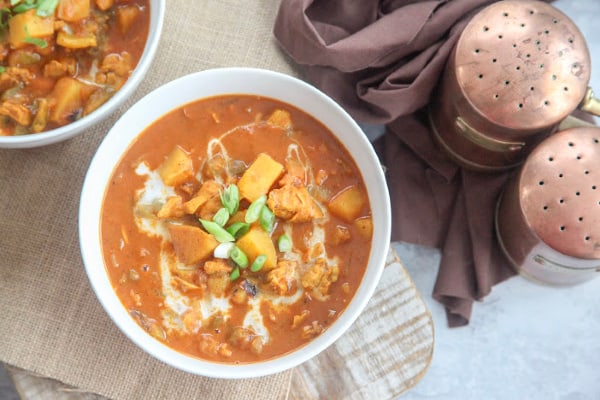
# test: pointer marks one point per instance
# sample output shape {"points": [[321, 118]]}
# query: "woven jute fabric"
{"points": [[51, 322]]}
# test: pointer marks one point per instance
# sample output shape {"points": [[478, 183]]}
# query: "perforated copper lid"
{"points": [[560, 192], [522, 64]]}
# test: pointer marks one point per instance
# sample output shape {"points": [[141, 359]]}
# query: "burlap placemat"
{"points": [[52, 323]]}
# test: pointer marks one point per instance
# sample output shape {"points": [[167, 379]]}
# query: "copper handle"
{"points": [[546, 262], [484, 141]]}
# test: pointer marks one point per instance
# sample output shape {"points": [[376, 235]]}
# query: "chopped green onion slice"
{"points": [[284, 243], [258, 263], [234, 274], [217, 231], [21, 8], [267, 219], [221, 217], [239, 257], [238, 229], [230, 198], [253, 212], [2, 69], [46, 8], [223, 250]]}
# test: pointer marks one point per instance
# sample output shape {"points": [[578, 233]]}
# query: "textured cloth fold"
{"points": [[381, 60]]}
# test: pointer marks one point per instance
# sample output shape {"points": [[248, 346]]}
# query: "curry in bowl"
{"points": [[236, 228], [60, 60]]}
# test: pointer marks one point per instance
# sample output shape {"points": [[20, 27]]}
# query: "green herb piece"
{"points": [[234, 274], [217, 231], [267, 219], [230, 198], [238, 229], [41, 43], [221, 217], [2, 69], [284, 243], [46, 8], [239, 257], [253, 212], [22, 7], [258, 263]]}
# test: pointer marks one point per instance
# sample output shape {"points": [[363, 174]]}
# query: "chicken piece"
{"points": [[207, 190], [295, 173], [218, 283], [212, 267], [312, 330], [104, 4], [126, 17], [13, 76], [281, 279], [341, 234], [208, 210], [293, 203], [246, 339], [173, 208], [17, 112], [121, 64], [41, 116], [300, 318], [319, 277]]}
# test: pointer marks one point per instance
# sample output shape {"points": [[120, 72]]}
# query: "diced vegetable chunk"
{"points": [[67, 99], [126, 16], [257, 242], [191, 243], [364, 226], [73, 10], [76, 41], [177, 168], [259, 177], [104, 4], [280, 118], [29, 25], [348, 203]]}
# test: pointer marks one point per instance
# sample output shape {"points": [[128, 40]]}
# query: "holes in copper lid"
{"points": [[550, 158], [594, 187], [546, 103], [577, 193], [537, 42], [586, 172], [554, 77], [515, 45], [494, 60], [596, 141], [541, 66], [505, 14], [517, 67], [527, 55], [566, 88], [571, 144], [580, 219], [477, 51], [545, 208], [578, 157], [506, 82], [560, 175], [531, 88], [522, 25], [500, 36], [561, 201], [563, 228], [480, 76], [530, 12], [496, 96], [486, 28], [554, 21], [587, 238], [520, 105], [546, 31], [570, 40], [541, 183]]}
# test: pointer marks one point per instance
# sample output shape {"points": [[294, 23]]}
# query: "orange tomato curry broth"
{"points": [[61, 60], [298, 188]]}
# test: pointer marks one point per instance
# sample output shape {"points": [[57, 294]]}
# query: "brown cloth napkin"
{"points": [[381, 60]]}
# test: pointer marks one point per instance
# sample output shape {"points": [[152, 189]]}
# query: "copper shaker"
{"points": [[548, 218], [518, 69]]}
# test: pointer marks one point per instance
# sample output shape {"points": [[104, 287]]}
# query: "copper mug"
{"points": [[518, 70], [548, 218]]}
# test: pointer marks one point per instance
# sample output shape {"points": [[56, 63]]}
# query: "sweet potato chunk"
{"points": [[191, 243], [73, 10], [67, 99], [257, 242], [28, 25], [348, 203], [126, 16], [259, 177], [364, 226], [280, 118], [177, 168]]}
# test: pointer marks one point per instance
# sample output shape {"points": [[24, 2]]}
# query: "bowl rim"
{"points": [[157, 15], [105, 159]]}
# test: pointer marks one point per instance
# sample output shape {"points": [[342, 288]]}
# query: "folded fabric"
{"points": [[381, 60]]}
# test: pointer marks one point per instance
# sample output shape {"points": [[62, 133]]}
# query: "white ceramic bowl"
{"points": [[205, 84], [157, 11]]}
